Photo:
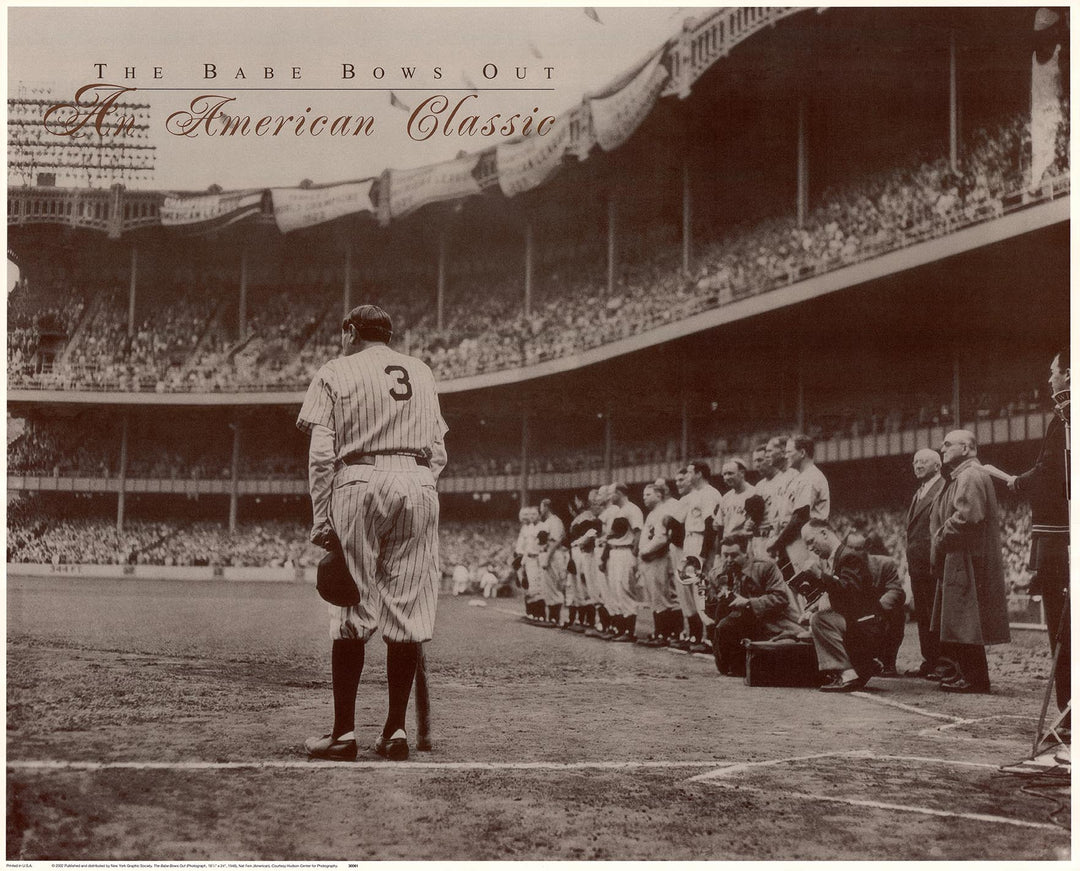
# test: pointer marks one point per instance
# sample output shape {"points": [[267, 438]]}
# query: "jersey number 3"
{"points": [[402, 379]]}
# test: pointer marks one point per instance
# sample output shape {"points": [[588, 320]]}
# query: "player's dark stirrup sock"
{"points": [[696, 627], [605, 618], [400, 669], [346, 665], [556, 613], [572, 619], [630, 624]]}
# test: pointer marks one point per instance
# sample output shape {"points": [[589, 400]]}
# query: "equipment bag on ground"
{"points": [[781, 664]]}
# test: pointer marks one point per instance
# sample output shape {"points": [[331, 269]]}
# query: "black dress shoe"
{"points": [[960, 685], [923, 670], [393, 748], [331, 748], [845, 686]]}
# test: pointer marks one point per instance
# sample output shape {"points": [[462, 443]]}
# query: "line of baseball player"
{"points": [[710, 566]]}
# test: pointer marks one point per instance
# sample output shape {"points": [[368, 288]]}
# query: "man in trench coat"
{"points": [[965, 549]]}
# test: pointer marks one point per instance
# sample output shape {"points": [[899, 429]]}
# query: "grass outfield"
{"points": [[163, 721]]}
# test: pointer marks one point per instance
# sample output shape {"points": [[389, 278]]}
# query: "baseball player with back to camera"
{"points": [[376, 452]]}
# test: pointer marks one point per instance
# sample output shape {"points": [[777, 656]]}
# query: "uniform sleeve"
{"points": [[318, 407], [800, 493]]}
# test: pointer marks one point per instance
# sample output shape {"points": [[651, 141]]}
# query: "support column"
{"points": [[684, 446], [957, 423], [440, 290], [524, 486], [346, 285], [800, 396], [241, 316], [802, 194], [234, 484], [125, 423], [687, 216], [528, 265], [611, 250], [954, 125], [131, 290], [609, 438]]}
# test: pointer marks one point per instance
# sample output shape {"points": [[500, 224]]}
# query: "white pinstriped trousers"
{"points": [[387, 518]]}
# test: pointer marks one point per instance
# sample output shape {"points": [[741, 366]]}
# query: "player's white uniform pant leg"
{"points": [[602, 594], [387, 518], [580, 582], [656, 579], [532, 575], [620, 564], [554, 577], [693, 546]]}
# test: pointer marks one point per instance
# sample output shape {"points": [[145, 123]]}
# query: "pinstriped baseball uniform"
{"points": [[380, 404]]}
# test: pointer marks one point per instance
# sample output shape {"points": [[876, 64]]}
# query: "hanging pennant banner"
{"points": [[616, 116], [412, 188], [216, 209], [295, 208], [524, 165]]}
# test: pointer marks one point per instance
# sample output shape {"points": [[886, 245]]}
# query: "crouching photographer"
{"points": [[848, 626], [748, 599]]}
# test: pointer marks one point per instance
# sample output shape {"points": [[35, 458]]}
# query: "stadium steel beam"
{"points": [[800, 390], [440, 289], [687, 216], [528, 265], [956, 386], [954, 125], [131, 290], [241, 315], [346, 287], [524, 486], [611, 216], [234, 482], [125, 422], [609, 438], [801, 170]]}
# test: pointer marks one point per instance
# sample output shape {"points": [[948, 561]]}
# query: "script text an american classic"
{"points": [[100, 108]]}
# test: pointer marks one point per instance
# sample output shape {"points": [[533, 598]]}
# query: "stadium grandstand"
{"points": [[834, 221]]}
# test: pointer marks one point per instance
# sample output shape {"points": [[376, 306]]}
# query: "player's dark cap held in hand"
{"points": [[371, 323]]}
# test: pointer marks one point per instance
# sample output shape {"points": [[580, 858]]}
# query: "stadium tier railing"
{"points": [[1029, 426]]}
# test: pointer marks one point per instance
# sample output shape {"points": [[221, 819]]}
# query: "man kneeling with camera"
{"points": [[848, 627], [750, 600]]}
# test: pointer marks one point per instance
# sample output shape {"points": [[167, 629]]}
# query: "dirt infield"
{"points": [[163, 721]]}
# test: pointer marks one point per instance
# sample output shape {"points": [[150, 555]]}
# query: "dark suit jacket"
{"points": [[851, 587], [918, 534], [887, 584]]}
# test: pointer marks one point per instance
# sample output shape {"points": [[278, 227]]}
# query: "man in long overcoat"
{"points": [[965, 548]]}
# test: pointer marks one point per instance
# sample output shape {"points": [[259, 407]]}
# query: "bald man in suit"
{"points": [[927, 467]]}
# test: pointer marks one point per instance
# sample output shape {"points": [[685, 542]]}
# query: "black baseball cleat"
{"points": [[394, 747], [424, 744], [331, 748]]}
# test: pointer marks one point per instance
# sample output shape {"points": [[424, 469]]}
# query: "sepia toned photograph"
{"points": [[550, 434]]}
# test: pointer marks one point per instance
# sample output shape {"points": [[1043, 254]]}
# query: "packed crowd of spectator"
{"points": [[189, 345], [36, 536]]}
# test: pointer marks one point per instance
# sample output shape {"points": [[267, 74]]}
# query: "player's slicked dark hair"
{"points": [[737, 539], [700, 466], [804, 443], [1062, 356]]}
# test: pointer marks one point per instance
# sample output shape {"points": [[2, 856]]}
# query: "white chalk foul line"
{"points": [[198, 765], [717, 777], [915, 809], [911, 709]]}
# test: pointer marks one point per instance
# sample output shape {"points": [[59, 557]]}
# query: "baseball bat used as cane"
{"points": [[423, 702]]}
